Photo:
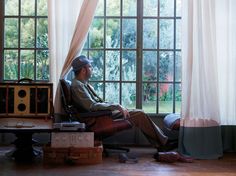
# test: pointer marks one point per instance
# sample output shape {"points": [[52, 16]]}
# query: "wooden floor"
{"points": [[146, 166]]}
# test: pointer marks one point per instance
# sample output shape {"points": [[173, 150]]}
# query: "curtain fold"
{"points": [[82, 27], [69, 23], [208, 54], [62, 16]]}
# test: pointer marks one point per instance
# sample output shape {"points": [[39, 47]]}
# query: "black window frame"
{"points": [[19, 48], [139, 54]]}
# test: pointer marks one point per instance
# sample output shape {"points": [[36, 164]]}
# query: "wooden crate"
{"points": [[88, 155], [72, 155], [55, 155]]}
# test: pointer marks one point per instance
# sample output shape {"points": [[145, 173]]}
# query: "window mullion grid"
{"points": [[121, 28], [19, 39], [139, 82], [35, 39], [174, 57], [158, 56], [104, 51], [139, 62], [2, 6]]}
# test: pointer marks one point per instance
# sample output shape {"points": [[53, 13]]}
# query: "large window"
{"points": [[135, 46], [24, 40]]}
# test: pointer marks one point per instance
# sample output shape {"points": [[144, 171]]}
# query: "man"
{"points": [[85, 98]]}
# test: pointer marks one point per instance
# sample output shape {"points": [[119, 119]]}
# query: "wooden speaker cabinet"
{"points": [[25, 100]]}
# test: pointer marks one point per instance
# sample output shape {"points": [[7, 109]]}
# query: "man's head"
{"points": [[81, 66]]}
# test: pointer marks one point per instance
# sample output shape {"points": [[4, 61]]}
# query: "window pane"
{"points": [[98, 87], [166, 7], [178, 7], [112, 92], [166, 34], [129, 7], [165, 98], [112, 65], [42, 33], [150, 8], [129, 33], [129, 95], [27, 64], [27, 7], [129, 66], [178, 34], [98, 65], [149, 97], [178, 66], [42, 8], [42, 65], [166, 66], [150, 33], [11, 33], [113, 7], [149, 65], [100, 8], [84, 52], [10, 64], [96, 34], [11, 7], [113, 33], [27, 33], [178, 98], [86, 43]]}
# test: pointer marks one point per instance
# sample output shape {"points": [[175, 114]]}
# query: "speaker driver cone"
{"points": [[21, 107], [22, 93]]}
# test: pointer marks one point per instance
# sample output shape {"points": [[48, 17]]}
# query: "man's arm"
{"points": [[82, 98]]}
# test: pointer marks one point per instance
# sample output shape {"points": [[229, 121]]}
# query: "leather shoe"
{"points": [[171, 157], [185, 159], [168, 157]]}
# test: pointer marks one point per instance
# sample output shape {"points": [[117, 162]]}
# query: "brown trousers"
{"points": [[140, 120], [152, 132]]}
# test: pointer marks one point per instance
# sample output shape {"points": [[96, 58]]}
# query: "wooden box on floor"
{"points": [[71, 155], [55, 155], [88, 155]]}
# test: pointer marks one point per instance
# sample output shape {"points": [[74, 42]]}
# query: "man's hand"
{"points": [[124, 111]]}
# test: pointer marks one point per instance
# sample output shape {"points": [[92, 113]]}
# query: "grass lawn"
{"points": [[164, 107]]}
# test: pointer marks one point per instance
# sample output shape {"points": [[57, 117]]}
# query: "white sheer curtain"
{"points": [[62, 16], [69, 22], [226, 55], [208, 76]]}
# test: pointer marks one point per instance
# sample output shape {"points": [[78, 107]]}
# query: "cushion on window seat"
{"points": [[172, 121]]}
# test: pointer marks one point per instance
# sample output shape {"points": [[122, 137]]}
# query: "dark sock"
{"points": [[156, 155]]}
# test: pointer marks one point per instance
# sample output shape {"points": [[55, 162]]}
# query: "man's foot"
{"points": [[168, 157], [185, 159], [171, 157]]}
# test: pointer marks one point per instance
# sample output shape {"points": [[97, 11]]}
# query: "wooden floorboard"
{"points": [[111, 166]]}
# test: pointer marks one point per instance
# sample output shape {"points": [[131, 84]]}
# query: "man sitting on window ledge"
{"points": [[83, 95]]}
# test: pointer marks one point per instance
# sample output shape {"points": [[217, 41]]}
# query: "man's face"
{"points": [[88, 71]]}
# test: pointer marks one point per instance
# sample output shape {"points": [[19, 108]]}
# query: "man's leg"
{"points": [[155, 136], [153, 133]]}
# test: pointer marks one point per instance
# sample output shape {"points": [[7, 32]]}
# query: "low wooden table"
{"points": [[24, 128], [24, 150]]}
